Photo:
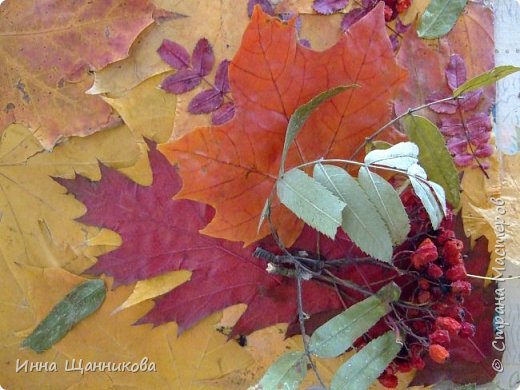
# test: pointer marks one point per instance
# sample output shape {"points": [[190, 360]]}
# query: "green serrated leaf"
{"points": [[387, 203], [401, 156], [361, 221], [485, 79], [286, 373], [431, 195], [362, 369], [302, 113], [337, 335], [439, 18], [78, 304], [377, 144], [310, 201], [434, 156]]}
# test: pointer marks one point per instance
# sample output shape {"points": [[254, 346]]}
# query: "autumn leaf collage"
{"points": [[258, 194]]}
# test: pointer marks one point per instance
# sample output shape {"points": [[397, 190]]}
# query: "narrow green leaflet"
{"points": [[434, 156], [400, 156], [337, 335], [310, 201], [302, 113], [78, 304], [286, 373], [377, 144], [361, 221], [439, 18], [431, 195], [387, 202], [362, 369], [486, 79]]}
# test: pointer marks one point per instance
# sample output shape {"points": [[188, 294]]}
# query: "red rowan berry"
{"points": [[424, 296], [438, 353], [457, 272], [467, 330], [434, 271], [449, 324], [388, 381], [403, 5], [461, 287], [418, 363], [424, 284], [404, 367], [452, 251], [441, 337], [445, 235], [426, 253]]}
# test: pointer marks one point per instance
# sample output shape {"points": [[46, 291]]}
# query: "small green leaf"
{"points": [[439, 18], [78, 304], [431, 195], [362, 369], [434, 156], [286, 373], [302, 113], [387, 203], [337, 335], [486, 79], [377, 144], [400, 156], [361, 221], [310, 201]]}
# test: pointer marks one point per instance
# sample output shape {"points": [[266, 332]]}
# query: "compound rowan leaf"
{"points": [[234, 167], [162, 235], [45, 61]]}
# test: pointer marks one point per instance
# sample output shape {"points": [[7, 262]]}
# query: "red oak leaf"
{"points": [[161, 235], [233, 167]]}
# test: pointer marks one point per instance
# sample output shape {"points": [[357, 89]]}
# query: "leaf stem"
{"points": [[398, 118]]}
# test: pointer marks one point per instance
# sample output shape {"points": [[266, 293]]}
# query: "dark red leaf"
{"points": [[203, 58], [221, 77], [205, 102], [183, 81], [223, 114], [352, 17], [328, 7], [456, 71], [174, 54], [266, 6], [161, 235]]}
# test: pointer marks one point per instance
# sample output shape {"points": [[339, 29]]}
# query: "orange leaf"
{"points": [[47, 48], [234, 167]]}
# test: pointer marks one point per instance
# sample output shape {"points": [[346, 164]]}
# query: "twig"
{"points": [[301, 320]]}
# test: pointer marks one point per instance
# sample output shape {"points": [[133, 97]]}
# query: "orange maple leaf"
{"points": [[234, 167]]}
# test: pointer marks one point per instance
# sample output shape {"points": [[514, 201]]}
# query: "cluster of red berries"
{"points": [[395, 7], [438, 315]]}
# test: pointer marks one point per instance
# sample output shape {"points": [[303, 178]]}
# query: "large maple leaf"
{"points": [[234, 167], [47, 49], [160, 235]]}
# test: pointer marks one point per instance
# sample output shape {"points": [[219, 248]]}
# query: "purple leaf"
{"points": [[205, 102], [266, 6], [395, 41], [327, 7], [456, 71], [182, 81], [484, 150], [369, 4], [352, 17], [463, 160], [448, 107], [221, 78], [400, 27], [305, 43], [203, 58], [223, 114], [471, 100], [174, 54], [457, 145], [451, 127]]}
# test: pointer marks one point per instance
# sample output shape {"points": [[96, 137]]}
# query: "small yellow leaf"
{"points": [[154, 287]]}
